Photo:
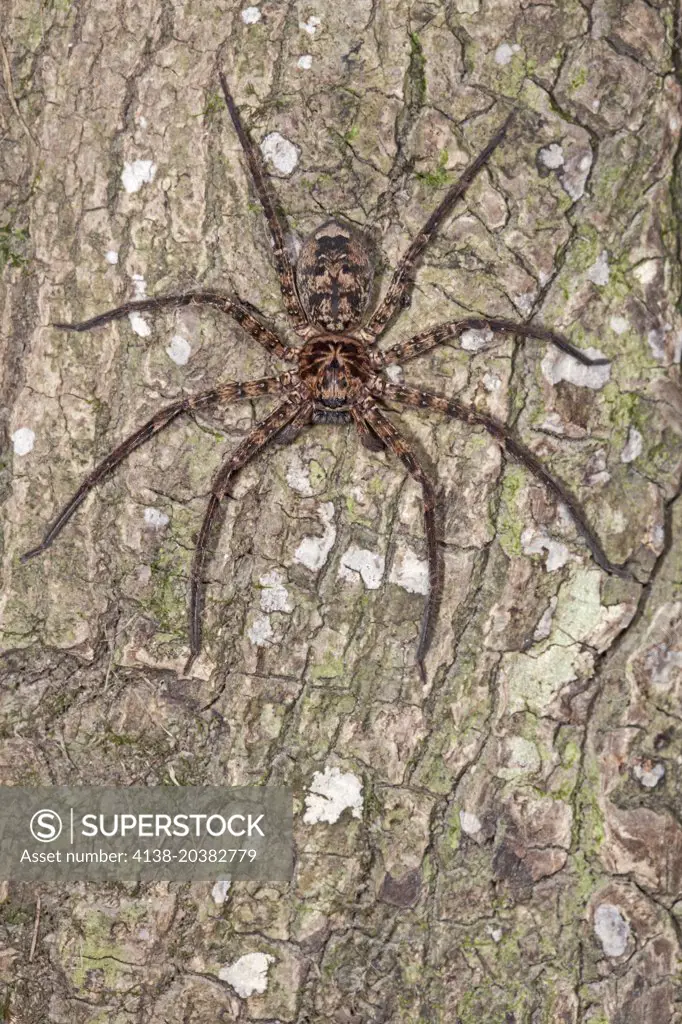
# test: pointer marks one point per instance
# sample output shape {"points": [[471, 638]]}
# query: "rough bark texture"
{"points": [[516, 854]]}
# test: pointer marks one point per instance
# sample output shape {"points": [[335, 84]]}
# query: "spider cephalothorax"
{"points": [[338, 377], [334, 370]]}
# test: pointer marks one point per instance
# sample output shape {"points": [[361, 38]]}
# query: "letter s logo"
{"points": [[46, 825]]}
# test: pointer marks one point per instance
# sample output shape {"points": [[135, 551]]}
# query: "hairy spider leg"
{"points": [[368, 437], [224, 393], [258, 438], [377, 424], [401, 284], [272, 209], [239, 311], [302, 419], [419, 399], [426, 340]]}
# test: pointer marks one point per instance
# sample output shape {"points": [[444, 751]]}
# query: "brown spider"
{"points": [[338, 376]]}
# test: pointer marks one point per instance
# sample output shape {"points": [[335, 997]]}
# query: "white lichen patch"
{"points": [[155, 518], [138, 173], [394, 373], [369, 564], [599, 272], [475, 341], [611, 928], [260, 631], [533, 682], [491, 382], [281, 153], [111, 256], [553, 424], [274, 596], [314, 551], [410, 573], [656, 341], [633, 446], [311, 25], [331, 793], [648, 774], [505, 52], [574, 176], [619, 325], [558, 366], [248, 974], [251, 15], [137, 321], [470, 823], [179, 350], [139, 286], [139, 325], [544, 626], [522, 758], [534, 542], [596, 471], [552, 156], [220, 890], [646, 272], [524, 302], [298, 476], [581, 618], [305, 62], [23, 440]]}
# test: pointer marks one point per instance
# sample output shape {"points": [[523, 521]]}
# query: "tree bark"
{"points": [[515, 854]]}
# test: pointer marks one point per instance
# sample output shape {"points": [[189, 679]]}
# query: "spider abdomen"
{"points": [[334, 277]]}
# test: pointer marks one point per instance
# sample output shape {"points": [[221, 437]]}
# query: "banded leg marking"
{"points": [[233, 308], [271, 208], [254, 442], [159, 421], [419, 399], [424, 342], [400, 285], [379, 425]]}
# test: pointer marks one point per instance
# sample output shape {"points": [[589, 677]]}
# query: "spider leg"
{"points": [[377, 425], [239, 311], [289, 433], [452, 407], [160, 420], [368, 436], [254, 442], [271, 208], [424, 342], [401, 283]]}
